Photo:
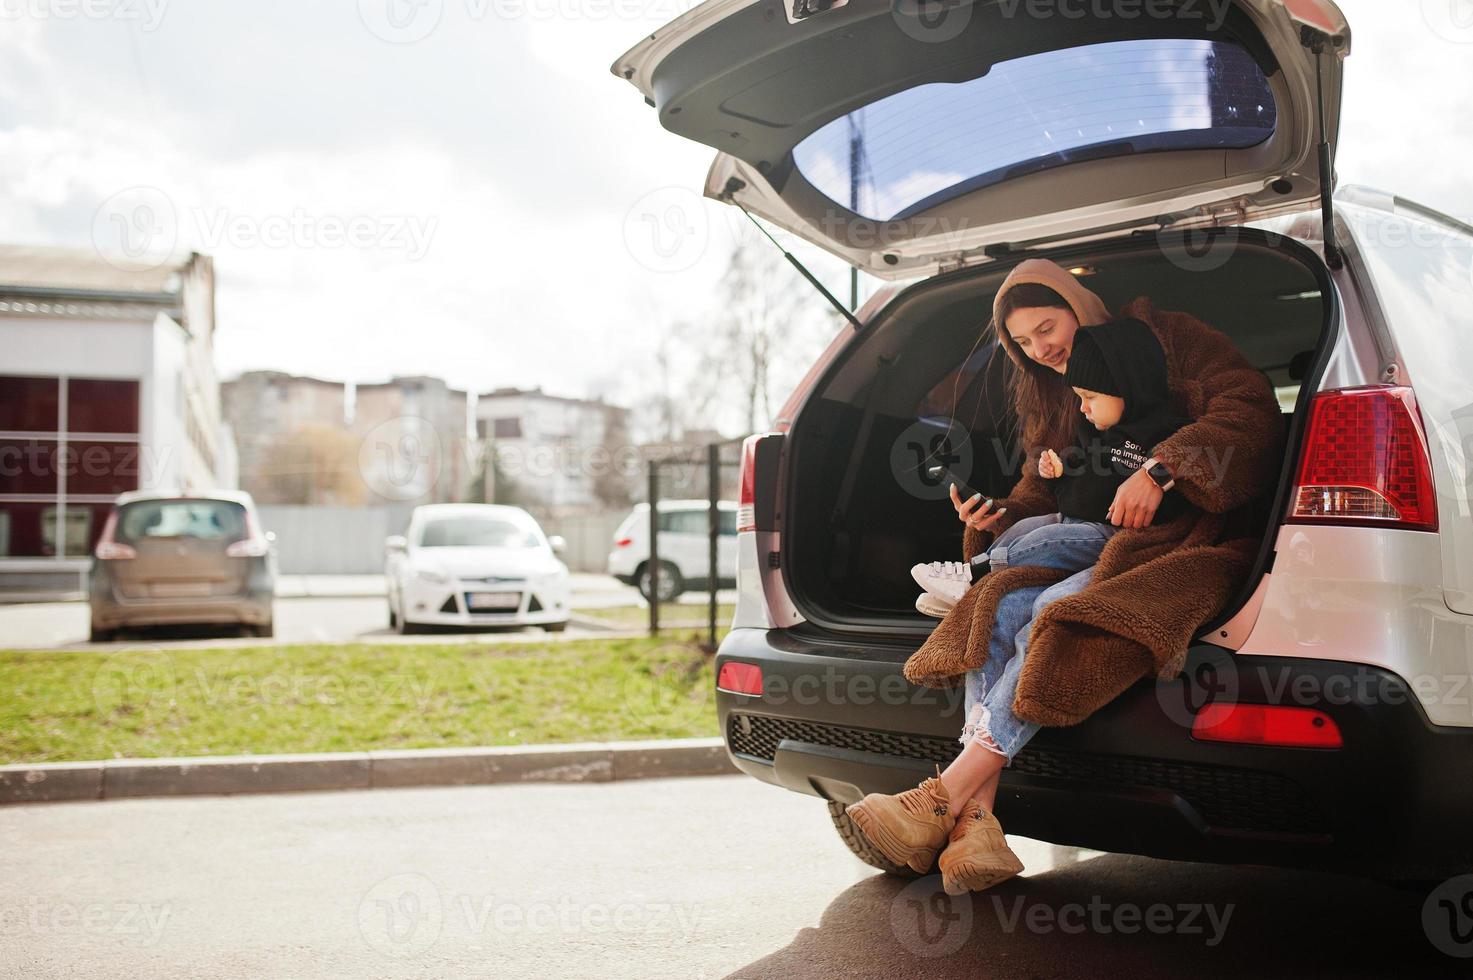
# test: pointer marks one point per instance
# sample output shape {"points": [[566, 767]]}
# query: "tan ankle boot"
{"points": [[908, 828], [977, 855]]}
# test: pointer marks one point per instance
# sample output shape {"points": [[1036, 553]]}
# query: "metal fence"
{"points": [[720, 459], [350, 540]]}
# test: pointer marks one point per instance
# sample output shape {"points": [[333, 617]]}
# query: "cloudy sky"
{"points": [[469, 195]]}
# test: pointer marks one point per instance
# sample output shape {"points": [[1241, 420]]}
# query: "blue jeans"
{"points": [[1066, 543]]}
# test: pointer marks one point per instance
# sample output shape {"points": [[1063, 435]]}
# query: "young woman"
{"points": [[1037, 313]]}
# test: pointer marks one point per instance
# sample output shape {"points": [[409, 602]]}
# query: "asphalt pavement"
{"points": [[690, 878], [321, 609]]}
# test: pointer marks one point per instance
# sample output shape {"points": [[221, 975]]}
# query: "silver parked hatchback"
{"points": [[196, 558]]}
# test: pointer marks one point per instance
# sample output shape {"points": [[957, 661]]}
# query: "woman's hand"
{"points": [[1136, 501], [973, 512]]}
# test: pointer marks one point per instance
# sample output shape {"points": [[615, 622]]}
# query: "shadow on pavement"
{"points": [[1073, 922]]}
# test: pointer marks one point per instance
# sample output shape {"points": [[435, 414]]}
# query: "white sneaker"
{"points": [[931, 606], [946, 580]]}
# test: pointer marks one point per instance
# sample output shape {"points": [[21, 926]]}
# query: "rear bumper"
{"points": [[251, 606], [1395, 800]]}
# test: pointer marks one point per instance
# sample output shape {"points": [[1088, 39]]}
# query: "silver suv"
{"points": [[1324, 719]]}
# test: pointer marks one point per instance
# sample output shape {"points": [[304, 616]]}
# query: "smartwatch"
{"points": [[1159, 474]]}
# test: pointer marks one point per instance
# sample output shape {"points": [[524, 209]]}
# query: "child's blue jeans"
{"points": [[1066, 543]]}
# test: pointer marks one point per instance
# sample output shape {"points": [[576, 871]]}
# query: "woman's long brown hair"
{"points": [[1044, 403]]}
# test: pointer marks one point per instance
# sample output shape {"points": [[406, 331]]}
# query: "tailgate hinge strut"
{"points": [[728, 194], [1315, 41]]}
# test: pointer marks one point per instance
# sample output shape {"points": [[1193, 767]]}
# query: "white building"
{"points": [[557, 451], [107, 383]]}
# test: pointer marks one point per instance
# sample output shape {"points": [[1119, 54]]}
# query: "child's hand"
{"points": [[1050, 467]]}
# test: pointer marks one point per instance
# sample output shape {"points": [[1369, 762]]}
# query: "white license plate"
{"points": [[492, 600]]}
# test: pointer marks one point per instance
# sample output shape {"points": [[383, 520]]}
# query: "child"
{"points": [[1118, 371]]}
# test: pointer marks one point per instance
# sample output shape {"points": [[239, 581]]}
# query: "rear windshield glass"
{"points": [[476, 532], [918, 148], [207, 520]]}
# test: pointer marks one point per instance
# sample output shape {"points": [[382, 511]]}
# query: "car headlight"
{"points": [[432, 576]]}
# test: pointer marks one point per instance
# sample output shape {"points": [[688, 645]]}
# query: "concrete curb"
{"points": [[213, 775]]}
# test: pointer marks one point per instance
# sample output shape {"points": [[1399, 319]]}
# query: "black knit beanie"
{"points": [[1087, 368]]}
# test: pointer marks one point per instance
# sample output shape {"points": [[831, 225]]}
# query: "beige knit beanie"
{"points": [[1088, 308]]}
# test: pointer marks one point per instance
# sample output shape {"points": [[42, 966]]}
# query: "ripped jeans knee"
{"points": [[977, 729]]}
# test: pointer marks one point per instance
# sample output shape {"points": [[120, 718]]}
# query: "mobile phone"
{"points": [[943, 476]]}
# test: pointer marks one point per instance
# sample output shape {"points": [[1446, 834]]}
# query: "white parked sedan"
{"points": [[475, 565]]}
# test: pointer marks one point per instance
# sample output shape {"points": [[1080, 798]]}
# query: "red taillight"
{"points": [[253, 545], [746, 508], [1263, 724], [107, 549], [739, 678], [1365, 461], [623, 542], [746, 499]]}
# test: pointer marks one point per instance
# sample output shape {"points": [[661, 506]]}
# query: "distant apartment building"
{"points": [[559, 454], [307, 440], [107, 384], [414, 440]]}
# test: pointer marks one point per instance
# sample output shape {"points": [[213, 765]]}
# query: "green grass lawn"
{"points": [[63, 705], [672, 614]]}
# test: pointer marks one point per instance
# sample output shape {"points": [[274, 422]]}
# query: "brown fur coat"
{"points": [[1154, 587]]}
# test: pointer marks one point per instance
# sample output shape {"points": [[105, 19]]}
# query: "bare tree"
{"points": [[312, 464], [766, 312]]}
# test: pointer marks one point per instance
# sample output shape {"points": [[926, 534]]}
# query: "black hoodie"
{"points": [[1099, 462]]}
